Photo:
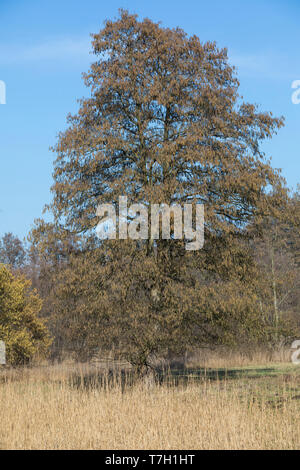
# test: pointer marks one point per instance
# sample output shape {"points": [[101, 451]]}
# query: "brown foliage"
{"points": [[164, 123]]}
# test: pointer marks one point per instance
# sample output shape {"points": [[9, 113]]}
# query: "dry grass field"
{"points": [[214, 407]]}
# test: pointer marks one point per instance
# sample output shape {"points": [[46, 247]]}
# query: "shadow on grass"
{"points": [[177, 375], [220, 374], [102, 379]]}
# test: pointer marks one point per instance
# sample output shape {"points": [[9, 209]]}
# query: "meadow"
{"points": [[228, 404]]}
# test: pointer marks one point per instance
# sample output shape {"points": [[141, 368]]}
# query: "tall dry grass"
{"points": [[68, 408], [223, 357]]}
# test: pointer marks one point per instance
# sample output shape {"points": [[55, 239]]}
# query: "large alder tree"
{"points": [[164, 123]]}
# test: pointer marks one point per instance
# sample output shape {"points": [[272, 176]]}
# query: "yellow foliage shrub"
{"points": [[24, 334]]}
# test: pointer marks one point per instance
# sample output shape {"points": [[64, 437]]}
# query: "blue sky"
{"points": [[44, 48]]}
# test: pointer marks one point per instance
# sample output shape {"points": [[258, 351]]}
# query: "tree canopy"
{"points": [[164, 123]]}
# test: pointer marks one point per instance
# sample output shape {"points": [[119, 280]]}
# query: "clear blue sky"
{"points": [[44, 48]]}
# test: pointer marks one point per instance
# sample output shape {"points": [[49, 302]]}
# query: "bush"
{"points": [[24, 334]]}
